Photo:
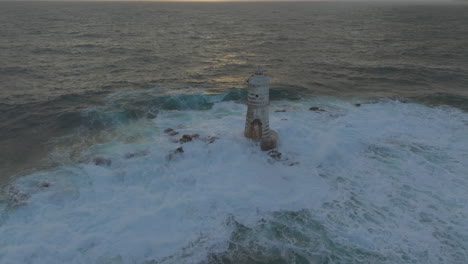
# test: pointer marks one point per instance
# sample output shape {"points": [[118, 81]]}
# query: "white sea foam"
{"points": [[390, 179]]}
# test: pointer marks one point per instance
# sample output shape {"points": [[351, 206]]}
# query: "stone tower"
{"points": [[257, 125]]}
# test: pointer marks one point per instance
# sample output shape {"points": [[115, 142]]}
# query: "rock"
{"points": [[137, 154], [188, 138], [168, 130], [293, 163], [284, 119], [316, 109], [16, 197], [401, 99], [276, 155], [212, 139], [185, 139], [178, 150], [280, 111], [173, 133], [45, 184], [99, 161], [357, 105]]}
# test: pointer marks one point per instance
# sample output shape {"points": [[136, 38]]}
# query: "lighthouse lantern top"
{"points": [[259, 71]]}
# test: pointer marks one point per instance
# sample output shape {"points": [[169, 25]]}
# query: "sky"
{"points": [[401, 1], [255, 0]]}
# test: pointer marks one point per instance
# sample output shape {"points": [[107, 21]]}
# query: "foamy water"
{"points": [[385, 182]]}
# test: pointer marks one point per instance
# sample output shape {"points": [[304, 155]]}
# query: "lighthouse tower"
{"points": [[257, 125]]}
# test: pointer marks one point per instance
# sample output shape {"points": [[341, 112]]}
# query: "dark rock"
{"points": [[284, 119], [168, 130], [280, 111], [212, 139], [399, 98], [173, 133], [99, 161], [357, 105], [185, 139], [16, 197], [178, 150], [188, 138], [316, 109], [137, 154], [293, 163], [45, 184], [276, 155]]}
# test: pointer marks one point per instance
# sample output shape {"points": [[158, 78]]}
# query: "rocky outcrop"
{"points": [[100, 161], [137, 154], [188, 138], [15, 197], [45, 184], [316, 109], [274, 154], [174, 153]]}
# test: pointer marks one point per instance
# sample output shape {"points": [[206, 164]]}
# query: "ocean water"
{"points": [[88, 175]]}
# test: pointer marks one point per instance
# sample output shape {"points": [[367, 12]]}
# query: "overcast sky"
{"points": [[401, 1], [404, 1]]}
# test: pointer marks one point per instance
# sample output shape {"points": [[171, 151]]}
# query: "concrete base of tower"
{"points": [[270, 142]]}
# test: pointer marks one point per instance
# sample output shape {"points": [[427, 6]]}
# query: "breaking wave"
{"points": [[380, 182]]}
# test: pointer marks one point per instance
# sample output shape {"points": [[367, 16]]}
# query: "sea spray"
{"points": [[383, 182]]}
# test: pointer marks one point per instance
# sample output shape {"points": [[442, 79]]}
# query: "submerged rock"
{"points": [[136, 154], [45, 184], [280, 111], [16, 197], [175, 152], [212, 139], [179, 150], [316, 109], [274, 154], [173, 133], [168, 130], [100, 161]]}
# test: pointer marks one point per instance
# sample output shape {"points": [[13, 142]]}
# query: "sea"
{"points": [[95, 98]]}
